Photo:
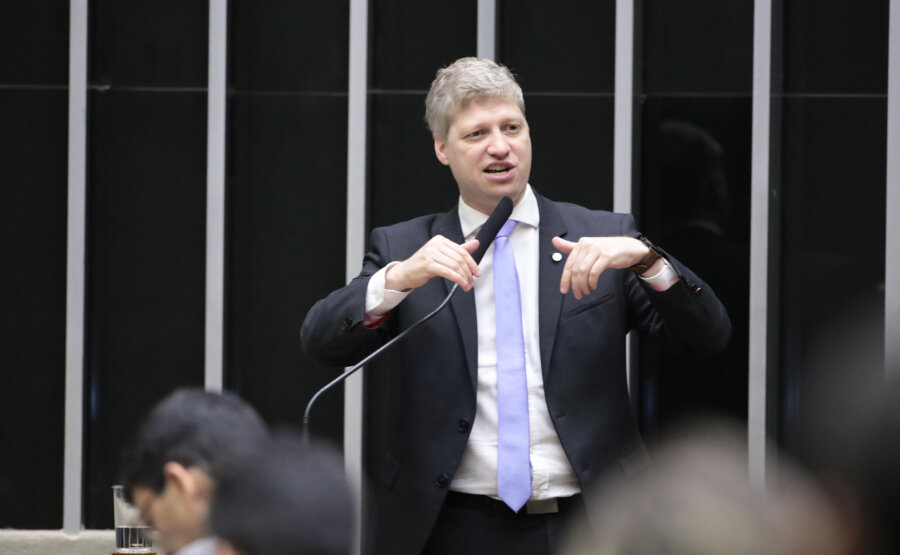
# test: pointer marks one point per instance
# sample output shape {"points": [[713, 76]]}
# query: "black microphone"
{"points": [[485, 236], [491, 227]]}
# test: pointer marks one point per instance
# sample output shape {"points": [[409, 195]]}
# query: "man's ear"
{"points": [[440, 148], [179, 477]]}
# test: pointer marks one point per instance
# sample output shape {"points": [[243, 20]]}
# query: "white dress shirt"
{"points": [[203, 546]]}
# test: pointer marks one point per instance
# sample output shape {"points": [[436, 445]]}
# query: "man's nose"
{"points": [[498, 145]]}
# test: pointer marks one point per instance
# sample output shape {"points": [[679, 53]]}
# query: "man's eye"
{"points": [[475, 134], [513, 127]]}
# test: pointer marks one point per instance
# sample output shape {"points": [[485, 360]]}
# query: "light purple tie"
{"points": [[513, 464]]}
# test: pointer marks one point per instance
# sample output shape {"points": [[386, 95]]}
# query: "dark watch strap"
{"points": [[648, 260]]}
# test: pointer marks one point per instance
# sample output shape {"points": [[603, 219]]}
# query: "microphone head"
{"points": [[491, 227]]}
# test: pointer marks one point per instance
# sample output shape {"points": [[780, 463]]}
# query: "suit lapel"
{"points": [[549, 274], [462, 303]]}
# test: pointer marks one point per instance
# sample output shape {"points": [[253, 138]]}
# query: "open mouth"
{"points": [[497, 169]]}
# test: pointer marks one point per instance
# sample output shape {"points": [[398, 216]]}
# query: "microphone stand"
{"points": [[375, 353]]}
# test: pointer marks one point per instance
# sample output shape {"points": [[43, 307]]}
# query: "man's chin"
{"points": [[514, 192], [487, 200]]}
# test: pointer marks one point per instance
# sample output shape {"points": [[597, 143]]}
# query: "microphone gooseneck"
{"points": [[374, 353], [485, 236]]}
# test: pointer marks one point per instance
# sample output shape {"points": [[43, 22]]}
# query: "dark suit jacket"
{"points": [[582, 357]]}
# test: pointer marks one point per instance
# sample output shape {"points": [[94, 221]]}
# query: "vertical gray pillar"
{"points": [[892, 220], [759, 241], [215, 194], [486, 29], [356, 239], [624, 94], [78, 28], [623, 132]]}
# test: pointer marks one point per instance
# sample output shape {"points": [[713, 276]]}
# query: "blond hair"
{"points": [[465, 80]]}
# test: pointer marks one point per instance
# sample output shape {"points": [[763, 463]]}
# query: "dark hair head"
{"points": [[194, 428], [292, 497]]}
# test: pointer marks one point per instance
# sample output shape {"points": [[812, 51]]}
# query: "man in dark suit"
{"points": [[452, 481]]}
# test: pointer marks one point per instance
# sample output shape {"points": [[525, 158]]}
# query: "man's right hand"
{"points": [[439, 257]]}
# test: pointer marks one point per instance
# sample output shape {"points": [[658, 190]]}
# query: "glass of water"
{"points": [[132, 535]]}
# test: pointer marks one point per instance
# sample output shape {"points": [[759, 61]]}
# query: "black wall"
{"points": [[831, 100], [34, 99], [693, 133]]}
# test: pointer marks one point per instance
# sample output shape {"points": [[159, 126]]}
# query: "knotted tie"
{"points": [[513, 464]]}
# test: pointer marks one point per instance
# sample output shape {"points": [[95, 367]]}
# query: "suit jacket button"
{"points": [[345, 325], [442, 480], [463, 425], [693, 287]]}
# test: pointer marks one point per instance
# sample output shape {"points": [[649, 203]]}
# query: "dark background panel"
{"points": [[572, 148], [695, 204], [287, 212], [405, 177], [693, 130], [34, 39], [148, 43], [289, 45], [832, 264], [695, 157], [696, 46], [33, 205], [409, 41], [835, 47], [558, 46], [833, 166], [146, 261]]}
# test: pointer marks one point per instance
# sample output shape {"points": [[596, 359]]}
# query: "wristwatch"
{"points": [[648, 260]]}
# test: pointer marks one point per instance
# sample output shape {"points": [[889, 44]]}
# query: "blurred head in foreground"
{"points": [[292, 497], [697, 500], [179, 452], [874, 476], [856, 455]]}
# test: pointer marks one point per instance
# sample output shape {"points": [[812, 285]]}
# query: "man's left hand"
{"points": [[590, 256]]}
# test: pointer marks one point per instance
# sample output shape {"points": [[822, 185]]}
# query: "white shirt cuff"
{"points": [[660, 281], [380, 301]]}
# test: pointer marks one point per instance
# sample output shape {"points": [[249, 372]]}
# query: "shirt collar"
{"points": [[202, 546], [526, 212]]}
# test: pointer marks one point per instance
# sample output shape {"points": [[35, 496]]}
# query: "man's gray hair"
{"points": [[465, 80]]}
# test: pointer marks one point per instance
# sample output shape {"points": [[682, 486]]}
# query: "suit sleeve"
{"points": [[333, 332], [688, 315]]}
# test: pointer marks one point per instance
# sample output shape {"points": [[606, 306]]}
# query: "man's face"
{"points": [[178, 514], [488, 149]]}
